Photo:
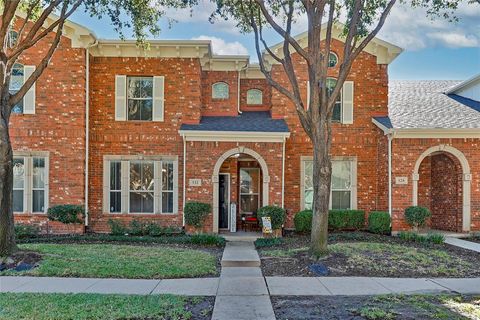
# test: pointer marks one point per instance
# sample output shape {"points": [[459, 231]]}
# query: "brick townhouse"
{"points": [[134, 134]]}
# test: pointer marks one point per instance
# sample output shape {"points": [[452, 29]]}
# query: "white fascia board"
{"points": [[463, 84], [235, 136], [411, 133]]}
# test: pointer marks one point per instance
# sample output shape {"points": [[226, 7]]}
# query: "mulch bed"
{"points": [[299, 263], [21, 260], [201, 310], [476, 240], [366, 307]]}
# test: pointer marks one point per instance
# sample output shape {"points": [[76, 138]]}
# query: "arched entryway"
{"points": [[441, 182], [237, 153]]}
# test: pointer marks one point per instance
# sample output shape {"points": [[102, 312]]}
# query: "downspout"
{"points": [[283, 173], [390, 138], [184, 178], [87, 125]]}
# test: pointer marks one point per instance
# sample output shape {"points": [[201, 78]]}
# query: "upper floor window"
{"points": [[220, 90], [16, 82], [337, 109], [254, 96], [140, 98], [12, 38], [332, 59]]}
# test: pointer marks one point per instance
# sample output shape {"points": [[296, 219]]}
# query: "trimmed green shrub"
{"points": [[276, 214], [25, 231], [416, 216], [195, 213], [346, 220], [137, 228], [379, 222], [154, 230], [303, 221], [268, 242], [66, 213], [436, 238], [207, 239], [117, 228]]}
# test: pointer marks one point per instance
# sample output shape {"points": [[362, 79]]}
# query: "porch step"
{"points": [[240, 254], [241, 236]]}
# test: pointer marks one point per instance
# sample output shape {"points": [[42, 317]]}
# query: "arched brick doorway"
{"points": [[215, 179], [441, 182]]}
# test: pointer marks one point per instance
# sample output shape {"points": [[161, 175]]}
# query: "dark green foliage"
{"points": [[303, 221], [416, 216], [195, 213], [429, 238], [346, 219], [379, 222], [199, 239], [67, 213], [276, 214], [268, 242], [140, 228], [24, 231], [117, 227]]}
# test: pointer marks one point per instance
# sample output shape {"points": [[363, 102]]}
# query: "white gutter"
{"points": [[283, 173], [235, 136], [184, 177], [87, 125], [390, 139]]}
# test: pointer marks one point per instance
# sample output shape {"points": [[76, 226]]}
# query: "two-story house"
{"points": [[135, 133]]}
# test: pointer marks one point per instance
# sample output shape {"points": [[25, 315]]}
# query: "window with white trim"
{"points": [[254, 97], [337, 108], [220, 90], [140, 98], [16, 83], [30, 183], [142, 186], [332, 59], [342, 186]]}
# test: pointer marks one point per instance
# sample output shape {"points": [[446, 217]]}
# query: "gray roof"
{"points": [[423, 104], [246, 121]]}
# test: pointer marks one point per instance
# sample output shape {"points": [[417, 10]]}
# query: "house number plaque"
{"points": [[195, 182]]}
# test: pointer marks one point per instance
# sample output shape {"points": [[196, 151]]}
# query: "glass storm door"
{"points": [[249, 190]]}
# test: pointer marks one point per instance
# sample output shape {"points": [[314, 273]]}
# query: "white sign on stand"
{"points": [[233, 217]]}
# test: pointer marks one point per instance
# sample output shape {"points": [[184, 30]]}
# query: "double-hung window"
{"points": [[140, 98], [16, 82], [30, 184], [337, 108], [343, 185], [142, 186]]}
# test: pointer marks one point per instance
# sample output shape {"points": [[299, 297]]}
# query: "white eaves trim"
{"points": [[410, 133], [234, 136], [463, 84]]}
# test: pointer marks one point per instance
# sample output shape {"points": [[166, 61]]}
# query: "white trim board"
{"points": [[235, 136]]}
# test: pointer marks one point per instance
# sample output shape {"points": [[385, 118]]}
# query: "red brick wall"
{"points": [[405, 155], [110, 137], [219, 107], [58, 125], [362, 139], [259, 84]]}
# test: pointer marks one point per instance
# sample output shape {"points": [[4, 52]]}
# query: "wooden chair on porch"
{"points": [[249, 221]]}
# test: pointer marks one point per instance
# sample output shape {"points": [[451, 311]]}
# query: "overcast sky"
{"points": [[435, 49]]}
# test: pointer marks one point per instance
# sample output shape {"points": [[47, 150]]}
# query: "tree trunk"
{"points": [[7, 231], [322, 168]]}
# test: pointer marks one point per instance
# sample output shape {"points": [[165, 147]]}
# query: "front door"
{"points": [[223, 200]]}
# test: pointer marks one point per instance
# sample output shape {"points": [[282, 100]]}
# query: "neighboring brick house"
{"points": [[134, 134]]}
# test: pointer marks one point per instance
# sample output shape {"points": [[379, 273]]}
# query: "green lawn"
{"points": [[120, 261], [16, 306]]}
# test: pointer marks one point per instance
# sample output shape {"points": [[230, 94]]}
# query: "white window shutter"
{"points": [[29, 98], [158, 98], [120, 98], [347, 102], [308, 95]]}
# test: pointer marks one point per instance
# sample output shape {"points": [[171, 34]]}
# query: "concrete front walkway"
{"points": [[465, 244]]}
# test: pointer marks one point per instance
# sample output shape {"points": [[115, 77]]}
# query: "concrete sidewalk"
{"points": [[465, 244], [244, 282]]}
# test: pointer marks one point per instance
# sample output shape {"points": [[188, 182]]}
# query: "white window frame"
{"points": [[353, 177], [28, 181], [261, 97], [213, 90], [139, 99], [339, 102], [125, 183], [336, 56]]}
